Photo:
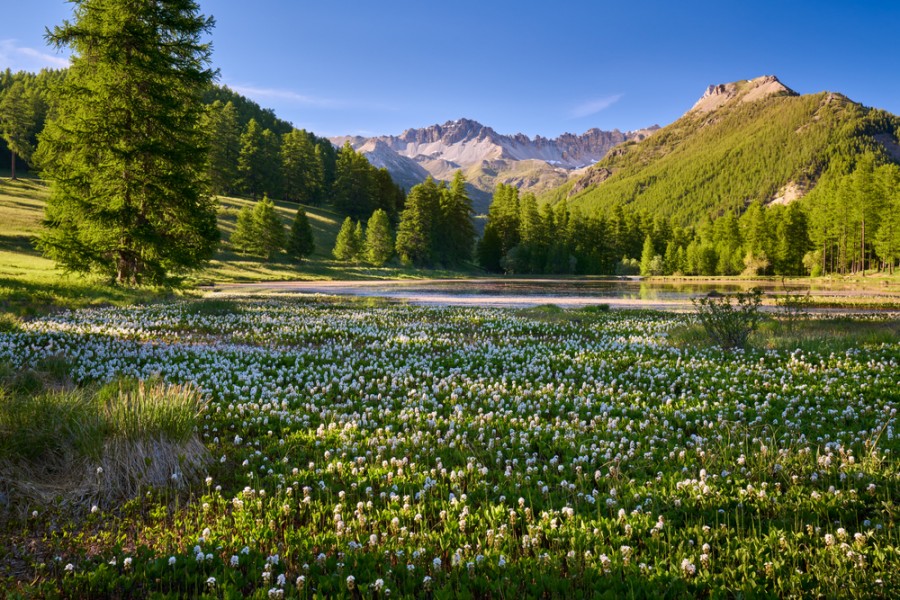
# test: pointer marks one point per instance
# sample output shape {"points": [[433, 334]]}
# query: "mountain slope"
{"points": [[487, 157], [740, 142]]}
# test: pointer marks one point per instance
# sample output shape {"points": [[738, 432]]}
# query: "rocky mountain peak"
{"points": [[487, 157], [451, 132], [749, 90]]}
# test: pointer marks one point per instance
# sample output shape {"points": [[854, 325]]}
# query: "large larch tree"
{"points": [[125, 150]]}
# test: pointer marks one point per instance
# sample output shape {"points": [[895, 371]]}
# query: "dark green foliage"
{"points": [[348, 246], [243, 238], [728, 320], [224, 141], [300, 242], [379, 246], [359, 188], [259, 161], [16, 123], [353, 184], [302, 169], [124, 148], [416, 233], [793, 241], [246, 109], [259, 231], [28, 105], [455, 233]]}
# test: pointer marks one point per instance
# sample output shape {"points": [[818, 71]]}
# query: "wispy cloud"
{"points": [[286, 95], [592, 107], [19, 58]]}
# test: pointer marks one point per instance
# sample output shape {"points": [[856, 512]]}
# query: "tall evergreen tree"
{"points": [[16, 122], [125, 150], [793, 241], [250, 165], [259, 161], [353, 185], [456, 235], [244, 238], [259, 230], [379, 246], [270, 163], [415, 231], [346, 246], [301, 168], [301, 242], [269, 228], [224, 141], [647, 255], [887, 238], [758, 239]]}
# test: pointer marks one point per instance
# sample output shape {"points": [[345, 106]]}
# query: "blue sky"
{"points": [[540, 68]]}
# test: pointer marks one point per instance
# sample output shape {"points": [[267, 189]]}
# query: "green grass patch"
{"points": [[75, 445]]}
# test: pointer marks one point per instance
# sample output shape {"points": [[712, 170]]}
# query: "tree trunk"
{"points": [[862, 247], [12, 167]]}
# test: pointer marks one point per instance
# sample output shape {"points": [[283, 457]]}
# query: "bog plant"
{"points": [[387, 450], [90, 444], [793, 307], [729, 319]]}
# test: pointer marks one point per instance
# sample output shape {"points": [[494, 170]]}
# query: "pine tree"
{"points": [[415, 231], [250, 160], [270, 164], [359, 240], [224, 141], [244, 238], [301, 242], [301, 168], [647, 255], [793, 241], [456, 231], [353, 185], [346, 246], [124, 148], [259, 230], [269, 228], [16, 122], [379, 246]]}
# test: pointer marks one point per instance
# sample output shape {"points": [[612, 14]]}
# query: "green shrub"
{"points": [[729, 320]]}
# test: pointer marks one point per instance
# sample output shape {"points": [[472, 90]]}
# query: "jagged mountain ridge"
{"points": [[749, 140], [487, 157]]}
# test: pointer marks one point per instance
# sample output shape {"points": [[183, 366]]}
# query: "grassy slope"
{"points": [[705, 164], [28, 281]]}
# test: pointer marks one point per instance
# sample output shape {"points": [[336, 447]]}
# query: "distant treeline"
{"points": [[848, 223], [251, 151], [854, 225]]}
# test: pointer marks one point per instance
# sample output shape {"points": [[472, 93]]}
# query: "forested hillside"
{"points": [[251, 151], [761, 179]]}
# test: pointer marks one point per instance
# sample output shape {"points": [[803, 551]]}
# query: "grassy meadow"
{"points": [[367, 449], [156, 443], [31, 284]]}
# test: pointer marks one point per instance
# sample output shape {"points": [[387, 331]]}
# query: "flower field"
{"points": [[384, 450]]}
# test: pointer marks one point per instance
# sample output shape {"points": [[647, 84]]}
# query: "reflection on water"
{"points": [[626, 289]]}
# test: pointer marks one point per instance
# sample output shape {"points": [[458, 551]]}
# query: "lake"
{"points": [[571, 292]]}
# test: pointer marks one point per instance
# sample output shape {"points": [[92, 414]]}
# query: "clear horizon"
{"points": [[367, 69]]}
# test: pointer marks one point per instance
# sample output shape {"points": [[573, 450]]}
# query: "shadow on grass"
{"points": [[23, 244], [27, 299]]}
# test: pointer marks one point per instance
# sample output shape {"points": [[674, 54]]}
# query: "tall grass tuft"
{"points": [[89, 445]]}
